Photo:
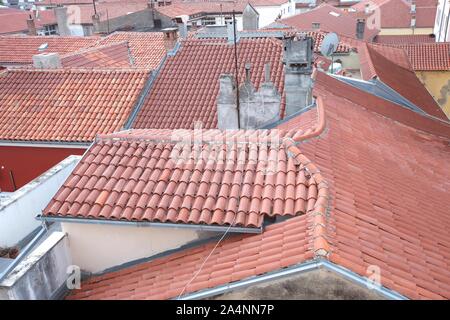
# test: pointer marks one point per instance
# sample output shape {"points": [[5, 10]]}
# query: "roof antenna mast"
{"points": [[236, 70]]}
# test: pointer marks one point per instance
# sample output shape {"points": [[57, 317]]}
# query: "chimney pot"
{"points": [[360, 28], [248, 66], [267, 73]]}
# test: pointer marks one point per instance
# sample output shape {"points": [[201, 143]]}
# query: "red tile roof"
{"points": [[429, 56], [15, 21], [331, 19], [193, 8], [70, 105], [106, 10], [20, 49], [108, 56], [146, 48], [186, 89], [160, 176], [387, 206], [405, 39], [395, 75], [397, 13]]}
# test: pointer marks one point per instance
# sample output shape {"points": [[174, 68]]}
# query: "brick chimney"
{"points": [[47, 61], [31, 26], [227, 113], [298, 56], [170, 38]]}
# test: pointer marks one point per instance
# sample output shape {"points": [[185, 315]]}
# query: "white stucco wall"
{"points": [[268, 14], [19, 209], [96, 247], [40, 274]]}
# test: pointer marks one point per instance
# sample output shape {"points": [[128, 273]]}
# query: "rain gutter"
{"points": [[297, 269], [198, 227]]}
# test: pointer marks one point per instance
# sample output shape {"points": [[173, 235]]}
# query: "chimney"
{"points": [[62, 21], [258, 108], [227, 113], [230, 33], [298, 55], [47, 61], [181, 22], [170, 38], [360, 28], [31, 26], [367, 9]]}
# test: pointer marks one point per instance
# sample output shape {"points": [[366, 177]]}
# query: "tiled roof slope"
{"points": [[20, 49], [405, 39], [331, 19], [193, 8], [146, 48], [397, 13], [108, 56], [429, 56], [402, 80], [387, 207], [70, 105], [236, 179], [186, 89], [15, 21]]}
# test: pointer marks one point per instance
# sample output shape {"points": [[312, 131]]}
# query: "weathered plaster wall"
{"points": [[18, 210], [140, 20], [41, 273], [438, 84], [312, 285]]}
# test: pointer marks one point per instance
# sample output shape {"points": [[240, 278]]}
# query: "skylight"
{"points": [[334, 14]]}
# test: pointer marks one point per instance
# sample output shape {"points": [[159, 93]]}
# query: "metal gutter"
{"points": [[298, 269], [23, 254], [199, 227], [49, 144]]}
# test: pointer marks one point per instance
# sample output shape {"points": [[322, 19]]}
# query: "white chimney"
{"points": [[47, 61]]}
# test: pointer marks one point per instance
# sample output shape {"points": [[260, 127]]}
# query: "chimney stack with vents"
{"points": [[258, 108], [181, 22], [227, 112], [31, 26], [47, 61], [298, 55], [62, 21], [170, 38], [360, 28]]}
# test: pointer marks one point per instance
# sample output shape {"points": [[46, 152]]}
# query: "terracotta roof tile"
{"points": [[331, 19], [387, 182], [20, 49], [397, 13], [146, 48], [389, 65], [66, 105], [179, 179], [429, 56], [186, 89], [15, 21], [405, 39], [115, 55]]}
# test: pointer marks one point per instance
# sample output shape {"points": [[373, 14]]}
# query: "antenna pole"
{"points": [[236, 70], [95, 8]]}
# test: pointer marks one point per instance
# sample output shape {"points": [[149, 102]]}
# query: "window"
{"points": [[209, 21], [50, 30], [316, 25]]}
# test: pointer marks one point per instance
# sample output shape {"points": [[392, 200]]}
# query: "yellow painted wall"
{"points": [[438, 84], [404, 31]]}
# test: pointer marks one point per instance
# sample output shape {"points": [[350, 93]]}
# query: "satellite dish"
{"points": [[329, 44], [43, 46]]}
